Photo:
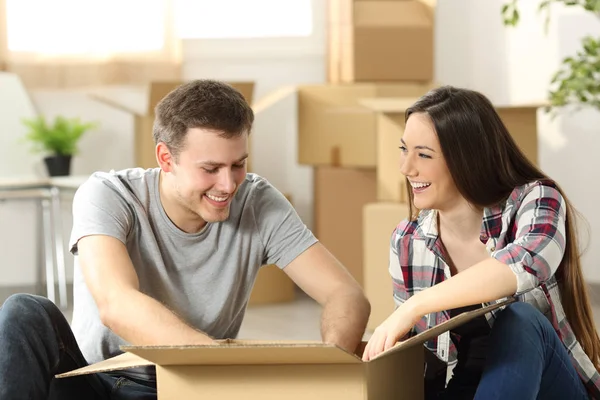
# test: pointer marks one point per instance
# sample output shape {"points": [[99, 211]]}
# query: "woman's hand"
{"points": [[394, 328]]}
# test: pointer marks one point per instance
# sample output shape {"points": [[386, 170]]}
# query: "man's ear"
{"points": [[164, 157]]}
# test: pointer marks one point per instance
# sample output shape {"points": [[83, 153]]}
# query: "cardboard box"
{"points": [[141, 101], [272, 286], [379, 222], [335, 129], [339, 197], [272, 370], [520, 120], [380, 41]]}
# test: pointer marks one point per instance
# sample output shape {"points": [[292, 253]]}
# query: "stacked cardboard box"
{"points": [[380, 41], [380, 60], [339, 137], [376, 49]]}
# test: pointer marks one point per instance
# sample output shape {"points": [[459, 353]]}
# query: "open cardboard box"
{"points": [[263, 370]]}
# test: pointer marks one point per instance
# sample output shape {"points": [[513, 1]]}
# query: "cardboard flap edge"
{"points": [[122, 361], [254, 352], [445, 326]]}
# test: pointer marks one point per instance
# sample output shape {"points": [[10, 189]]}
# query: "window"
{"points": [[210, 19], [85, 28]]}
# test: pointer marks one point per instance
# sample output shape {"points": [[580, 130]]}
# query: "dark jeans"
{"points": [[36, 343], [525, 360]]}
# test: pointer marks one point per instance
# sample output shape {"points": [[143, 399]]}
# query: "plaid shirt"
{"points": [[527, 233]]}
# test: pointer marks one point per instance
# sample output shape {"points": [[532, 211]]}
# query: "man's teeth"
{"points": [[215, 198], [418, 185]]}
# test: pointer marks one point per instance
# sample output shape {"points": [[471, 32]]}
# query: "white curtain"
{"points": [[78, 43]]}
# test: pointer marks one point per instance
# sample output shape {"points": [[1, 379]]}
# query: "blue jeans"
{"points": [[525, 360], [36, 343]]}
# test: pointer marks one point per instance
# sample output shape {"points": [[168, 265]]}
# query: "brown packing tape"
{"points": [[403, 187], [336, 159]]}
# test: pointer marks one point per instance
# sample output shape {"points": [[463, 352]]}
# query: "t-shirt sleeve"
{"points": [[282, 232], [99, 208]]}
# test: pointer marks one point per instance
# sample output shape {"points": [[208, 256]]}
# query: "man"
{"points": [[168, 256]]}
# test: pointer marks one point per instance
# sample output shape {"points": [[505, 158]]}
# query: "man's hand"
{"points": [[345, 307], [394, 328]]}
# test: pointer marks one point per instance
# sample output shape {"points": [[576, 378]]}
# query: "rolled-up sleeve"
{"points": [[539, 243]]}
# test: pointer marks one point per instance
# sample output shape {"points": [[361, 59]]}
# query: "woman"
{"points": [[491, 226]]}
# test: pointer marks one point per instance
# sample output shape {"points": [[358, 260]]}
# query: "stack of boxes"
{"points": [[380, 61], [377, 50]]}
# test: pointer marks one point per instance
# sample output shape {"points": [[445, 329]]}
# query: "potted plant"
{"points": [[59, 140], [576, 83]]}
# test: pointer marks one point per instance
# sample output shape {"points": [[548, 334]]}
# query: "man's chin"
{"points": [[215, 216]]}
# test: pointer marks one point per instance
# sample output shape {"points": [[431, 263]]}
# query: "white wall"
{"points": [[570, 151], [473, 49], [108, 147], [515, 65]]}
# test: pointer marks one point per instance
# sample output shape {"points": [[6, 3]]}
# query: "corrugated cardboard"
{"points": [[335, 129], [380, 41], [520, 120], [339, 197], [379, 221], [274, 370], [147, 97]]}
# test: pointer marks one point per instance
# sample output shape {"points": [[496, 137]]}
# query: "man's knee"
{"points": [[25, 309]]}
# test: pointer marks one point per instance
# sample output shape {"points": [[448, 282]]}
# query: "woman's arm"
{"points": [[532, 258]]}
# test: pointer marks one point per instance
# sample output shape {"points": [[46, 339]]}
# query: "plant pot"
{"points": [[58, 165]]}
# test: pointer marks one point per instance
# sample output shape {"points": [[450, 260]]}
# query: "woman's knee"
{"points": [[521, 316]]}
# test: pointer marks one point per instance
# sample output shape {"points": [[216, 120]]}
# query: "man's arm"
{"points": [[345, 307], [132, 315]]}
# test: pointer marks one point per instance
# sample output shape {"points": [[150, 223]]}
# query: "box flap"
{"points": [[272, 98], [445, 326], [388, 105], [158, 90], [122, 361], [142, 99], [245, 353], [378, 14]]}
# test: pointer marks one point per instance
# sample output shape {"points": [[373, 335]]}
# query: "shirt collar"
{"points": [[491, 224]]}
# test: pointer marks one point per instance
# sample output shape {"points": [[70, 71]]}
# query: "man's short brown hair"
{"points": [[206, 104]]}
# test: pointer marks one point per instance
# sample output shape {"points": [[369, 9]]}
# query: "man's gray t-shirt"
{"points": [[206, 277]]}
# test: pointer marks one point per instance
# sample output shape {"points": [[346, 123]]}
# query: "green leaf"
{"points": [[60, 138]]}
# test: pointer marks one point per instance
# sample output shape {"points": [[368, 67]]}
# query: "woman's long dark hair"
{"points": [[487, 165]]}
